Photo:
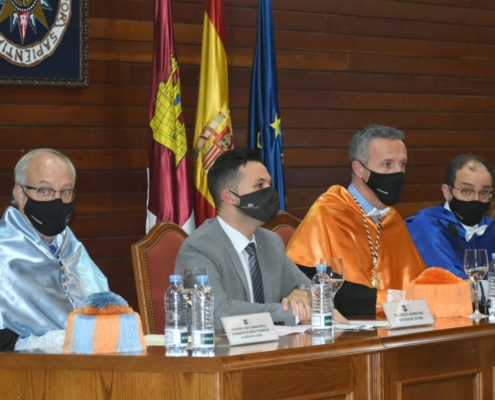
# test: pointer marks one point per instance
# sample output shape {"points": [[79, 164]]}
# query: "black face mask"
{"points": [[387, 187], [48, 217], [262, 205], [469, 213]]}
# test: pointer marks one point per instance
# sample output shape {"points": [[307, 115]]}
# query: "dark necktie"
{"points": [[254, 270]]}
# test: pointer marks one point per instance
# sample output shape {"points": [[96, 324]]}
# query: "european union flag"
{"points": [[265, 124]]}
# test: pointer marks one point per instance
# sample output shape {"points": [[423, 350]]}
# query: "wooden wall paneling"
{"points": [[356, 25], [95, 94], [480, 4], [314, 157], [121, 51], [387, 9], [420, 139], [122, 73], [66, 115], [139, 10], [410, 102], [419, 66], [117, 268], [377, 82], [319, 42], [117, 29], [109, 226]]}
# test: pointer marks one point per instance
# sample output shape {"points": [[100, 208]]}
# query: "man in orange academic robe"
{"points": [[358, 225]]}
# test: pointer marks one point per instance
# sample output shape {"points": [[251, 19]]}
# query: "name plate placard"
{"points": [[407, 313], [250, 328]]}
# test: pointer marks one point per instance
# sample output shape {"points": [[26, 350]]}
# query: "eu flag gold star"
{"points": [[276, 125]]}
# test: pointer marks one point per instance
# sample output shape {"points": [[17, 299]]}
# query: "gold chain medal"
{"points": [[375, 280]]}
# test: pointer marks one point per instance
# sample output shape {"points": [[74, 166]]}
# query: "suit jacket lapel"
{"points": [[231, 258]]}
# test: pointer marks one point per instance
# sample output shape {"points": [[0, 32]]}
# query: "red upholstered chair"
{"points": [[284, 225], [154, 261]]}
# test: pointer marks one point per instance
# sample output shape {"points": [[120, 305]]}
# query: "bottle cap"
{"points": [[175, 279], [202, 279], [321, 268]]}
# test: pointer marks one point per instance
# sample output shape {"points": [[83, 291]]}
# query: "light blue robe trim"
{"points": [[32, 299], [129, 335], [83, 334]]}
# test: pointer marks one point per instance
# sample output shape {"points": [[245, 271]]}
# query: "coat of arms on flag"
{"points": [[168, 121], [215, 139]]}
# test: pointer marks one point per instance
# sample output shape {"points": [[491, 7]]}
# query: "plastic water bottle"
{"points": [[321, 302], [202, 326], [491, 288], [491, 278], [175, 318]]}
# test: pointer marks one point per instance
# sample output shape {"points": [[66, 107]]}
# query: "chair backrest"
{"points": [[284, 225], [154, 261]]}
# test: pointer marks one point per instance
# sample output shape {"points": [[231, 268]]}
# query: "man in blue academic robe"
{"points": [[442, 232], [45, 272]]}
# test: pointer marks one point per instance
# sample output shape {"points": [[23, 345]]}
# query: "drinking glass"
{"points": [[336, 273], [476, 267]]}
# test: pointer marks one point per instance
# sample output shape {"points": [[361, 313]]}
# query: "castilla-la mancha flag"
{"points": [[213, 132], [169, 192]]}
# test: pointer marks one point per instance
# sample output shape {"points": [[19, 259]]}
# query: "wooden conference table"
{"points": [[453, 360]]}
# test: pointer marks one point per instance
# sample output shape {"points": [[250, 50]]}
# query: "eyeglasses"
{"points": [[46, 194], [470, 194]]}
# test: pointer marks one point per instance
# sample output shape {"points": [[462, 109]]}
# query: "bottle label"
{"points": [[203, 338], [321, 320], [176, 337]]}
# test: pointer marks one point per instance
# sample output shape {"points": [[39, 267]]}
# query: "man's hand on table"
{"points": [[300, 302], [339, 317]]}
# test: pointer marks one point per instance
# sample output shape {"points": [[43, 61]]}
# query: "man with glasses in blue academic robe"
{"points": [[45, 272], [441, 233]]}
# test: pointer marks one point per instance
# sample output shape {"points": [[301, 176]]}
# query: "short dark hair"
{"points": [[225, 170], [459, 162]]}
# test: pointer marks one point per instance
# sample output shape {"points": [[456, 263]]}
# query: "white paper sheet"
{"points": [[287, 330], [358, 325]]}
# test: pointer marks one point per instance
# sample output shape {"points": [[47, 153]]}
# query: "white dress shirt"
{"points": [[239, 241]]}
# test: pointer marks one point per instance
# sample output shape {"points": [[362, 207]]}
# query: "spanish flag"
{"points": [[213, 133], [169, 191]]}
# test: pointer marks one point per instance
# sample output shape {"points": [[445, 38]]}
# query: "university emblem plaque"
{"points": [[44, 42]]}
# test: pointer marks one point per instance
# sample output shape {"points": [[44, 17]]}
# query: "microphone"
{"points": [[453, 231]]}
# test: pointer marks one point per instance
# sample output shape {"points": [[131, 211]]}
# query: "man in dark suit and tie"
{"points": [[248, 268]]}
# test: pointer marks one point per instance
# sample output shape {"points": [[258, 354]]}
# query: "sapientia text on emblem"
{"points": [[32, 13]]}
